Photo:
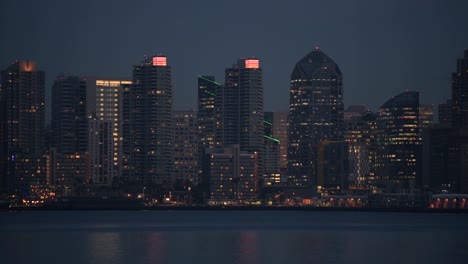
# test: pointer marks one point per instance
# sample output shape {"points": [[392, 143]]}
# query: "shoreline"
{"points": [[233, 208]]}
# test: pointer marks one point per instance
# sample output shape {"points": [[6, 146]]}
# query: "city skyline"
{"points": [[403, 37]]}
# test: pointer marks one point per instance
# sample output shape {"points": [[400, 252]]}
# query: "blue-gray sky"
{"points": [[382, 47]]}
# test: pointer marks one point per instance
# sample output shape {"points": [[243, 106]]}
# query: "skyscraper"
{"points": [[105, 109], [460, 94], [270, 152], [239, 106], [399, 143], [315, 114], [207, 88], [280, 132], [69, 117], [186, 147], [69, 132], [22, 96], [150, 141], [361, 133]]}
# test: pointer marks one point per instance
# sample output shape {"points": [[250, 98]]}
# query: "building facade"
{"points": [[149, 142], [239, 106], [233, 175], [105, 112], [399, 143], [315, 114], [186, 147], [22, 96]]}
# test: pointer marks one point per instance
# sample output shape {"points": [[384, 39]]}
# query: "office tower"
{"points": [[22, 99], [361, 135], [186, 147], [70, 133], [149, 140], [206, 117], [280, 132], [315, 114], [460, 94], [105, 112], [426, 116], [207, 88], [239, 106], [399, 142], [270, 152], [233, 175], [445, 114]]}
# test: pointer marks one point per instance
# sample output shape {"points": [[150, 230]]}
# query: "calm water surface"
{"points": [[232, 237]]}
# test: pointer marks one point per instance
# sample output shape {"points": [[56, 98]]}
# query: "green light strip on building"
{"points": [[208, 80], [266, 122], [270, 138], [210, 93]]}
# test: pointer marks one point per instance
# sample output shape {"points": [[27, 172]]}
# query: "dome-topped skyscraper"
{"points": [[315, 114]]}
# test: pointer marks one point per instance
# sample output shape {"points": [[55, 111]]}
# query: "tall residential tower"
{"points": [[149, 143]]}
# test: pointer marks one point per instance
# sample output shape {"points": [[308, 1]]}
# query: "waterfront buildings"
{"points": [[271, 152], [233, 175], [105, 114], [186, 148], [239, 106], [22, 124], [69, 148], [361, 135], [315, 114], [206, 115], [399, 144], [149, 157]]}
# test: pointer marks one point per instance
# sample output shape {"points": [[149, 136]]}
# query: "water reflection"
{"points": [[105, 247], [248, 247], [154, 244], [173, 238]]}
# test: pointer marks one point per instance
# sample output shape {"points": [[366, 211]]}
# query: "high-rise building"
{"points": [[280, 132], [239, 106], [233, 175], [361, 133], [149, 130], [186, 147], [22, 99], [105, 109], [315, 114], [69, 133], [69, 117], [426, 116], [207, 88], [270, 152], [399, 143], [460, 94], [445, 114]]}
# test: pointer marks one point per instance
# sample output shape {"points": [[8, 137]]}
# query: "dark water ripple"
{"points": [[232, 237]]}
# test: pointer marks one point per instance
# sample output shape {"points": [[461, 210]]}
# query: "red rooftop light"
{"points": [[159, 61]]}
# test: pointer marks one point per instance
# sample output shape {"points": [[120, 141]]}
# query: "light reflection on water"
{"points": [[95, 237]]}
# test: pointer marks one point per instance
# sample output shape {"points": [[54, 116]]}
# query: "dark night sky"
{"points": [[382, 47]]}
